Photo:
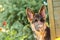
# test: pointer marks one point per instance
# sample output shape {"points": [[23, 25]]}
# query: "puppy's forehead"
{"points": [[37, 15]]}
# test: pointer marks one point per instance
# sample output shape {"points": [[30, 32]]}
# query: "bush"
{"points": [[16, 26]]}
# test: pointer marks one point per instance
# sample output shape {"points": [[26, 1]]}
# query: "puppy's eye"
{"points": [[42, 20], [36, 20]]}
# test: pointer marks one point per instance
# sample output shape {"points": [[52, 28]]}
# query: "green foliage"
{"points": [[13, 12]]}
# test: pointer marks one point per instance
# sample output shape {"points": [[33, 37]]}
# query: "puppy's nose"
{"points": [[40, 25]]}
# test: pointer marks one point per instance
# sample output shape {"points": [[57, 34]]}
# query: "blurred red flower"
{"points": [[4, 23]]}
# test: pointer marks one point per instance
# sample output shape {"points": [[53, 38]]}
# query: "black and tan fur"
{"points": [[38, 26]]}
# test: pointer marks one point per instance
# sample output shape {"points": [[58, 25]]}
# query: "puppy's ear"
{"points": [[29, 14], [42, 11]]}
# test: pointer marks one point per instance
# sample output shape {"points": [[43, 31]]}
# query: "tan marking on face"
{"points": [[39, 34]]}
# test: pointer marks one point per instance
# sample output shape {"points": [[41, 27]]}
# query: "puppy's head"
{"points": [[36, 19]]}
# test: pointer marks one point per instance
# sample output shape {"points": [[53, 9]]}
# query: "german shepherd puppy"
{"points": [[38, 26]]}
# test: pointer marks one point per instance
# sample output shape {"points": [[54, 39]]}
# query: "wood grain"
{"points": [[56, 4], [51, 19], [57, 20], [56, 0]]}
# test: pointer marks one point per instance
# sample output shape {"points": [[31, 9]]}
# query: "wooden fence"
{"points": [[54, 17]]}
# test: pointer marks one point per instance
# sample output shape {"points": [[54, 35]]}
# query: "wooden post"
{"points": [[51, 19]]}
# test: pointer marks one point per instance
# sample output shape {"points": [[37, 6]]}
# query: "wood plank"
{"points": [[56, 4], [56, 0], [57, 15], [57, 9], [57, 12], [51, 19], [57, 28], [57, 32], [57, 21]]}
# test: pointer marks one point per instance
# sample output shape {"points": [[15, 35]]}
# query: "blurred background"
{"points": [[13, 21]]}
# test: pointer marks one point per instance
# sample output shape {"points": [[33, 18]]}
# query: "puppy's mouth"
{"points": [[38, 25]]}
